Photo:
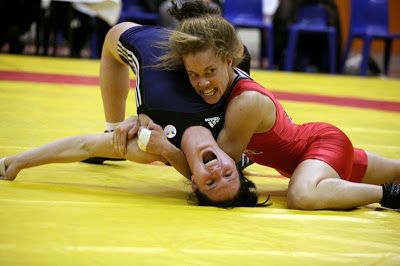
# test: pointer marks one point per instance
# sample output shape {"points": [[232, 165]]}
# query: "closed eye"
{"points": [[228, 174], [210, 183]]}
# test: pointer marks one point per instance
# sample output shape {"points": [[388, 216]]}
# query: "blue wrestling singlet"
{"points": [[167, 97]]}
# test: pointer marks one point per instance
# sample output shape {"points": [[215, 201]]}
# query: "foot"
{"points": [[391, 196]]}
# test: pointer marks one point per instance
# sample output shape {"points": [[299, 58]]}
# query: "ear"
{"points": [[194, 185], [229, 61]]}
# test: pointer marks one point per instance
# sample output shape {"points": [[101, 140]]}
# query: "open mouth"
{"points": [[210, 92], [209, 157]]}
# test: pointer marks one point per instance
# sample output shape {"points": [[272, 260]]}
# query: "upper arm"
{"points": [[249, 113], [111, 40]]}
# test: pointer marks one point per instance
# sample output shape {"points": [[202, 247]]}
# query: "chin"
{"points": [[211, 100]]}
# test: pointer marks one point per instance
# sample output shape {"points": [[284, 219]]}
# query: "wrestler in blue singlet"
{"points": [[167, 97]]}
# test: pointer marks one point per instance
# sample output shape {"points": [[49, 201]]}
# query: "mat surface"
{"points": [[124, 213]]}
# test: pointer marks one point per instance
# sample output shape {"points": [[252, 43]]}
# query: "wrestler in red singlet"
{"points": [[287, 144]]}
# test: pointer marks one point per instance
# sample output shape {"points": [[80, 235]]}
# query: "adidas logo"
{"points": [[212, 121]]}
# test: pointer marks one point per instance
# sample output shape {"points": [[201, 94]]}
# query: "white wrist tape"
{"points": [[143, 138]]}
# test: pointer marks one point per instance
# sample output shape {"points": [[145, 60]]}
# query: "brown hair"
{"points": [[199, 34]]}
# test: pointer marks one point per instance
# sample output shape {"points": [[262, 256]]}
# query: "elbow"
{"points": [[86, 148]]}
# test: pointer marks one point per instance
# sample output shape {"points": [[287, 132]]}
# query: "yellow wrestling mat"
{"points": [[124, 213]]}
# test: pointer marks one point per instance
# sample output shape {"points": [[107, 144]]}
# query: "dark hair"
{"points": [[192, 9], [246, 196]]}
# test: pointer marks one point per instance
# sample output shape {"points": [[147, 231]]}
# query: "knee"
{"points": [[301, 200]]}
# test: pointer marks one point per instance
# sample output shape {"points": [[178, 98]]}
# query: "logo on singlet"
{"points": [[212, 121], [170, 131]]}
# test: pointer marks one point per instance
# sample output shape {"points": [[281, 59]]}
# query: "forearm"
{"points": [[177, 159], [229, 146], [63, 150], [114, 85], [158, 144], [71, 149]]}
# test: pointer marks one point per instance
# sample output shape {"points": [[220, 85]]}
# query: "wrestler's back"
{"points": [[166, 96]]}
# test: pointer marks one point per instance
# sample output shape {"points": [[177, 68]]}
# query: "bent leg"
{"points": [[316, 185], [381, 170]]}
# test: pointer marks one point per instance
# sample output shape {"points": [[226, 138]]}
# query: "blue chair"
{"points": [[368, 21], [311, 19], [248, 14], [133, 11]]}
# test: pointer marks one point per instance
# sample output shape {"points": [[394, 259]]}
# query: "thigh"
{"points": [[381, 170], [330, 145]]}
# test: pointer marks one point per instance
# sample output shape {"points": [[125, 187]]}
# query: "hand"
{"points": [[158, 141], [124, 132], [7, 172], [145, 120]]}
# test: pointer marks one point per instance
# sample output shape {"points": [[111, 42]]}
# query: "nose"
{"points": [[212, 177], [203, 82], [214, 174]]}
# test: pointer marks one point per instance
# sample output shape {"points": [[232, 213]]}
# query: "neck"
{"points": [[232, 76]]}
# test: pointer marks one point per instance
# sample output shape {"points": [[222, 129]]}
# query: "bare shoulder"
{"points": [[123, 26], [253, 100], [254, 109]]}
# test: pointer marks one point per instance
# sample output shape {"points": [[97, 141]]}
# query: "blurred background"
{"points": [[286, 35]]}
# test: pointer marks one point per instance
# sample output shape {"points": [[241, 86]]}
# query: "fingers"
{"points": [[120, 136], [3, 169], [129, 129], [7, 173], [143, 120], [123, 133], [154, 126], [133, 131], [7, 178]]}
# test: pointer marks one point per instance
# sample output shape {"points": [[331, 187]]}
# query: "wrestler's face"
{"points": [[209, 75], [214, 173]]}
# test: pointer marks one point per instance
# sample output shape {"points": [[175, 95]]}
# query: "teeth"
{"points": [[209, 92], [212, 162]]}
